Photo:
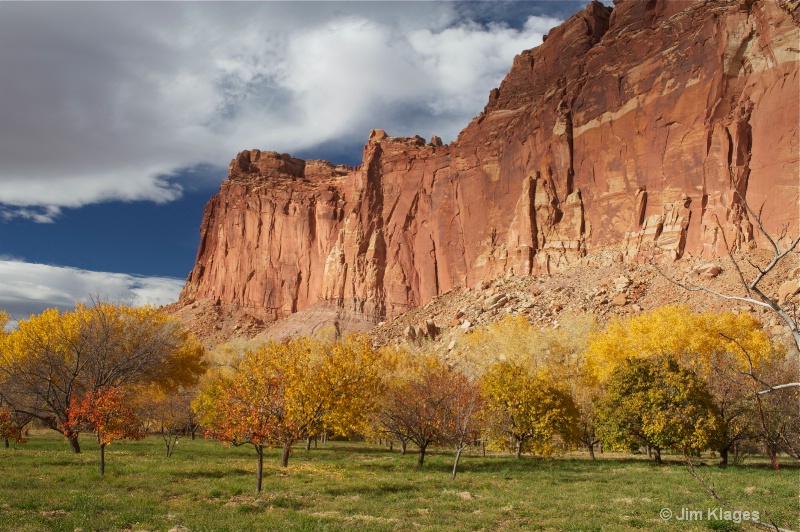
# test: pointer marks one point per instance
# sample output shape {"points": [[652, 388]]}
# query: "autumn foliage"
{"points": [[13, 426], [53, 359], [655, 402], [531, 411], [107, 414], [427, 401], [666, 380], [282, 392], [716, 350]]}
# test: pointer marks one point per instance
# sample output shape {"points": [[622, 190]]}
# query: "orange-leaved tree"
{"points": [[13, 426], [108, 414], [249, 408]]}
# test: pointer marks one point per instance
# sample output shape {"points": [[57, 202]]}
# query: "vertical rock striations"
{"points": [[633, 128]]}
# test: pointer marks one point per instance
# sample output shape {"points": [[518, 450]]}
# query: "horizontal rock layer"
{"points": [[640, 128]]}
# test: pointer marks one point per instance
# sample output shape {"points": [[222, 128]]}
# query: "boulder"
{"points": [[788, 289], [499, 302], [708, 271], [619, 300], [430, 329]]}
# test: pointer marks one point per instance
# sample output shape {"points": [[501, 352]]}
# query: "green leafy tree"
{"points": [[655, 402]]}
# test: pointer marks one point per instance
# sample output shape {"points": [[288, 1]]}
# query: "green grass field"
{"points": [[356, 486]]}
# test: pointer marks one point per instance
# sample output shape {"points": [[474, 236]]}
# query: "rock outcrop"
{"points": [[639, 128]]}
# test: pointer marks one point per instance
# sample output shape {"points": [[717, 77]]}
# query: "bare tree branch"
{"points": [[729, 249], [754, 295], [780, 387], [711, 491], [750, 371]]}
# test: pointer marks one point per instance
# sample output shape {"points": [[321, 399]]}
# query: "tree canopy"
{"points": [[57, 356]]}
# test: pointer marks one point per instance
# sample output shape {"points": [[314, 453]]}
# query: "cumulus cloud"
{"points": [[30, 288], [108, 101]]}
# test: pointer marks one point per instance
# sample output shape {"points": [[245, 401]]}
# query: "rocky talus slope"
{"points": [[630, 134]]}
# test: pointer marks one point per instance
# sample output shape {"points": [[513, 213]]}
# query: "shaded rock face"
{"points": [[633, 128]]}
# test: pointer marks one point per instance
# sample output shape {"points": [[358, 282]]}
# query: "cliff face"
{"points": [[632, 129]]}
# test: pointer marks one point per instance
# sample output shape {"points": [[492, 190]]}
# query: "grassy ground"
{"points": [[354, 486]]}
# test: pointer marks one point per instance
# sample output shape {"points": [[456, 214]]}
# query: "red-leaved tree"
{"points": [[465, 418], [106, 414], [427, 403]]}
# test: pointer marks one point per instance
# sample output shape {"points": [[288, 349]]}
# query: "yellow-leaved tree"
{"points": [[314, 387], [333, 386], [721, 348], [56, 356], [558, 352], [529, 410]]}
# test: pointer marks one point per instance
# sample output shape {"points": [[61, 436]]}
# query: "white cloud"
{"points": [[106, 100], [30, 288]]}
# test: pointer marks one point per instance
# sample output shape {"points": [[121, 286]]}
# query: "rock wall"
{"points": [[639, 128]]}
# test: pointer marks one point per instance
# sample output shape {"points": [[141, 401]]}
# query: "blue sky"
{"points": [[118, 119]]}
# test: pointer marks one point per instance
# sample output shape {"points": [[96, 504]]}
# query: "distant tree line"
{"points": [[665, 380]]}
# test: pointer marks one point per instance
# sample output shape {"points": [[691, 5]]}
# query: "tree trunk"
{"points": [[403, 447], [591, 449], [723, 455], [260, 469], [285, 455], [455, 463], [74, 444], [421, 458], [102, 459], [391, 444], [657, 453], [7, 444], [518, 449], [483, 447], [308, 443]]}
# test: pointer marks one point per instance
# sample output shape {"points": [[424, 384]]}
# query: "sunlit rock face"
{"points": [[638, 129]]}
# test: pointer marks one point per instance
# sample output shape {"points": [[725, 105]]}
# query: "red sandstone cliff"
{"points": [[630, 128]]}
